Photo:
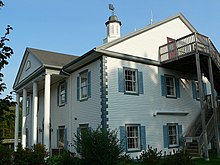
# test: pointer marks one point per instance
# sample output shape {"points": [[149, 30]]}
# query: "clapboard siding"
{"points": [[59, 114], [139, 109], [147, 43], [88, 111]]}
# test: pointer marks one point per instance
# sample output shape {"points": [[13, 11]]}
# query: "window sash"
{"points": [[173, 137], [62, 94], [130, 78], [84, 85], [133, 137], [170, 86], [61, 137]]}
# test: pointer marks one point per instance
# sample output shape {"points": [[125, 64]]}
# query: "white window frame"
{"points": [[131, 80], [197, 90], [133, 137], [61, 137], [83, 85], [62, 94], [173, 135], [170, 86]]}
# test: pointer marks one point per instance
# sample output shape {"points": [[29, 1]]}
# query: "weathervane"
{"points": [[111, 7]]}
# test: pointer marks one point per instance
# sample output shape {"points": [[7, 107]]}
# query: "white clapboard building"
{"points": [[157, 86]]}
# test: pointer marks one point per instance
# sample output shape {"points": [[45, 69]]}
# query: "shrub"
{"points": [[178, 158], [150, 157], [99, 147], [35, 156], [63, 158], [125, 160], [5, 155]]}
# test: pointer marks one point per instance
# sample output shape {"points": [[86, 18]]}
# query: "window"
{"points": [[196, 91], [133, 137], [62, 93], [84, 85], [82, 129], [170, 86], [172, 133], [28, 65], [61, 137], [130, 81], [28, 106]]}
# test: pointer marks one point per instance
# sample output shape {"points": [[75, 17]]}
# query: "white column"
{"points": [[47, 112], [24, 106], [34, 114], [16, 121]]}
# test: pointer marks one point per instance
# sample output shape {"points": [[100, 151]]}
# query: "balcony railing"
{"points": [[194, 42]]}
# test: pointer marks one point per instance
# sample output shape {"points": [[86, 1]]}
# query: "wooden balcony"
{"points": [[180, 55]]}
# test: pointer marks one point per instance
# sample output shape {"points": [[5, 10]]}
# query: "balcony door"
{"points": [[171, 47]]}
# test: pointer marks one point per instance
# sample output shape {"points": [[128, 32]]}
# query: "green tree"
{"points": [[5, 53], [98, 147]]}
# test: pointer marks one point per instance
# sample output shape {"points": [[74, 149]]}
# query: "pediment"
{"points": [[29, 65]]}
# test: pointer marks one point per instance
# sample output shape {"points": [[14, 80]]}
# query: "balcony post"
{"points": [[214, 107], [201, 94]]}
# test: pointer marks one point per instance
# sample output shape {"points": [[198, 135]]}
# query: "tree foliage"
{"points": [[5, 53], [98, 147]]}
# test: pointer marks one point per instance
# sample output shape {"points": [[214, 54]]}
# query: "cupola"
{"points": [[113, 26]]}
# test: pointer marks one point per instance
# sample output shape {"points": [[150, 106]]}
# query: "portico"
{"points": [[36, 75]]}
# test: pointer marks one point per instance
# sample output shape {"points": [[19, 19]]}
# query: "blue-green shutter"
{"points": [[65, 92], [165, 136], [78, 88], [123, 139], [58, 94], [89, 84], [163, 85], [140, 83], [143, 138], [65, 139], [177, 87], [194, 89], [180, 132], [120, 80]]}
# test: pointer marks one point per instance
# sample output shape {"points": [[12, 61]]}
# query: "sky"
{"points": [[77, 26]]}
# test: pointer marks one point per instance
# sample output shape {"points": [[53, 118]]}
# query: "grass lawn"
{"points": [[213, 161]]}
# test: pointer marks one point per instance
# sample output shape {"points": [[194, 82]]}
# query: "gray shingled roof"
{"points": [[52, 58]]}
